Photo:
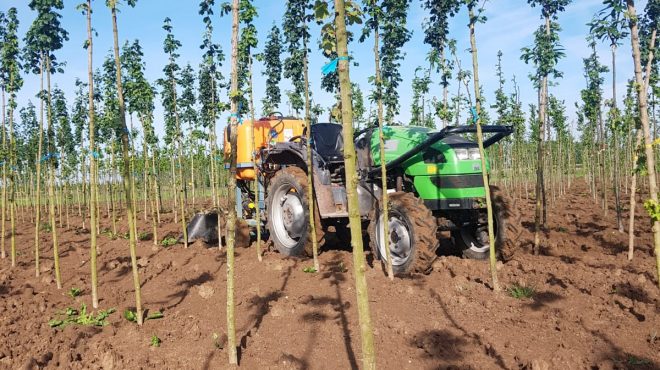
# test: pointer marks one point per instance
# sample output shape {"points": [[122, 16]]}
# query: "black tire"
{"points": [[420, 224], [291, 181], [507, 230]]}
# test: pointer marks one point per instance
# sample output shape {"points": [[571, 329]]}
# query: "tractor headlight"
{"points": [[474, 153], [462, 154]]}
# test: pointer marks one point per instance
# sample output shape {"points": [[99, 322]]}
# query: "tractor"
{"points": [[434, 183]]}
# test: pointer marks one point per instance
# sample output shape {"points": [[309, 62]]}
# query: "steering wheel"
{"points": [[297, 137]]}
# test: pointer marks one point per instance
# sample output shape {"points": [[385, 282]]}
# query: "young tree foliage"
{"points": [[210, 82], [273, 71], [394, 35], [295, 31]]}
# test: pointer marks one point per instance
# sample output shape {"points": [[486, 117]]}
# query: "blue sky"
{"points": [[510, 27]]}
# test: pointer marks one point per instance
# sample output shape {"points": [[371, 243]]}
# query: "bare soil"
{"points": [[591, 308]]}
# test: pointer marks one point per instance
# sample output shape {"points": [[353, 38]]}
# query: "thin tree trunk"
{"points": [[37, 217], [385, 197], [633, 185], [111, 190], [232, 353], [633, 201], [480, 141], [180, 180], [12, 169], [127, 176], [257, 190], [540, 188], [51, 182], [359, 263], [644, 117], [4, 179], [310, 168]]}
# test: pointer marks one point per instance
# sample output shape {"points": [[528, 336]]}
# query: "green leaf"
{"points": [[55, 323], [155, 315], [130, 315], [74, 292], [653, 209]]}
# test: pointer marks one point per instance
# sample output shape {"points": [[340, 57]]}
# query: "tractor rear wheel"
{"points": [[288, 213], [412, 234], [473, 243]]}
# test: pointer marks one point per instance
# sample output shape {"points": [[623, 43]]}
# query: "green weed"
{"points": [[155, 341], [310, 270], [518, 291], [168, 241], [131, 316], [74, 292], [155, 315], [71, 316], [142, 236], [45, 226]]}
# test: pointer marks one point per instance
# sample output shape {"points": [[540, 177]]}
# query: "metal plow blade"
{"points": [[204, 226]]}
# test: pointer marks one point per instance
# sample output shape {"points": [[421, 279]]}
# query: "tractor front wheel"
{"points": [[412, 234], [472, 241], [288, 213]]}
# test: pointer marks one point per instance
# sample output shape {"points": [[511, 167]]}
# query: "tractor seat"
{"points": [[328, 141]]}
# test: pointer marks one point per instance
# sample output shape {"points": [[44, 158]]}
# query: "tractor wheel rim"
{"points": [[288, 216], [399, 240]]}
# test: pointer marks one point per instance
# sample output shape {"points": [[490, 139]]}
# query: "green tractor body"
{"points": [[447, 175]]}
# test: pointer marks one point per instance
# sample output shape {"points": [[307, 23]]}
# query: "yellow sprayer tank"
{"points": [[267, 131]]}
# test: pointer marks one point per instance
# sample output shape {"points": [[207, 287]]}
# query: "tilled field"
{"points": [[592, 309]]}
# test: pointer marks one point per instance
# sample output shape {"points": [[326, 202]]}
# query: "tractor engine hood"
{"points": [[408, 146]]}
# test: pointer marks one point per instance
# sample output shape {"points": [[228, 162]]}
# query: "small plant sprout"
{"points": [[155, 315], [519, 291], [310, 270], [168, 241], [74, 292], [144, 236], [71, 316], [155, 341], [130, 315]]}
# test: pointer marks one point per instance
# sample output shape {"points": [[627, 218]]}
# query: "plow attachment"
{"points": [[204, 226]]}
